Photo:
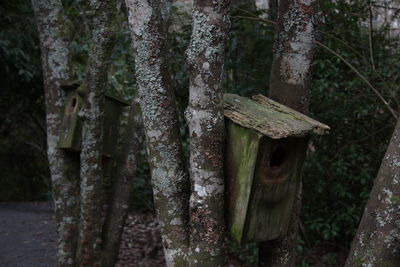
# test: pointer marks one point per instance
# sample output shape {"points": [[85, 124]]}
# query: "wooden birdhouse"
{"points": [[266, 147], [71, 127]]}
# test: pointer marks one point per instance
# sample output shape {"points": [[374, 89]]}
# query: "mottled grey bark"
{"points": [[63, 168], [92, 195], [377, 242], [290, 85], [206, 129], [160, 119], [122, 185], [294, 51]]}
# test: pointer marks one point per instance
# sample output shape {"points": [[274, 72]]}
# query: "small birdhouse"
{"points": [[266, 147], [71, 126]]}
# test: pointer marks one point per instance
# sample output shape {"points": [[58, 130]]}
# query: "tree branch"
{"points": [[92, 195], [160, 119], [206, 128], [290, 85], [64, 167], [378, 235]]}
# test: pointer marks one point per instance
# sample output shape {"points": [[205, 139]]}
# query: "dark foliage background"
{"points": [[340, 167], [23, 163]]}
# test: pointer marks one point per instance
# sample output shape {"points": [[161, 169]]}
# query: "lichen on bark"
{"points": [[290, 85], [64, 168], [377, 242], [205, 118], [294, 52], [160, 119], [92, 195]]}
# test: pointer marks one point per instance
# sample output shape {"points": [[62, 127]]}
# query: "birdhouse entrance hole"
{"points": [[72, 106], [277, 166], [278, 157]]}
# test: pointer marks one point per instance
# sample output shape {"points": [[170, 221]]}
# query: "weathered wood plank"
{"points": [[113, 108], [269, 117], [274, 187], [240, 163], [71, 127]]}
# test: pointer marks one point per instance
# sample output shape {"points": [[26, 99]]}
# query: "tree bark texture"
{"points": [[294, 51], [206, 129], [122, 185], [169, 175], [64, 168], [92, 195], [377, 242], [290, 85]]}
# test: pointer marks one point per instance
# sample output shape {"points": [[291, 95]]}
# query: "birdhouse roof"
{"points": [[70, 85], [270, 118]]}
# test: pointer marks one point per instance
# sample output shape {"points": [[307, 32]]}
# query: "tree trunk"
{"points": [[206, 128], [377, 242], [160, 119], [80, 232], [290, 85], [92, 195], [64, 168], [294, 51], [123, 185]]}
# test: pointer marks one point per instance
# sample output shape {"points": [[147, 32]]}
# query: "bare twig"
{"points": [[371, 51], [40, 149], [38, 122], [363, 78]]}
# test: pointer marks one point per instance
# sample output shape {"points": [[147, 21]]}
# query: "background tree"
{"points": [[63, 166], [191, 235], [79, 203], [205, 118], [378, 235], [290, 85], [91, 157], [169, 176]]}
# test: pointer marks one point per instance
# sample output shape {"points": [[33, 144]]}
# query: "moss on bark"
{"points": [[377, 242], [206, 128], [64, 168], [160, 120]]}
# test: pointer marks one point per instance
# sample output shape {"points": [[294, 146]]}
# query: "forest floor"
{"points": [[28, 238], [27, 235]]}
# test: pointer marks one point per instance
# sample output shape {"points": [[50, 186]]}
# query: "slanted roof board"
{"points": [[269, 117]]}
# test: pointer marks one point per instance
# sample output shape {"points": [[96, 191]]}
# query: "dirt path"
{"points": [[27, 235], [28, 238]]}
